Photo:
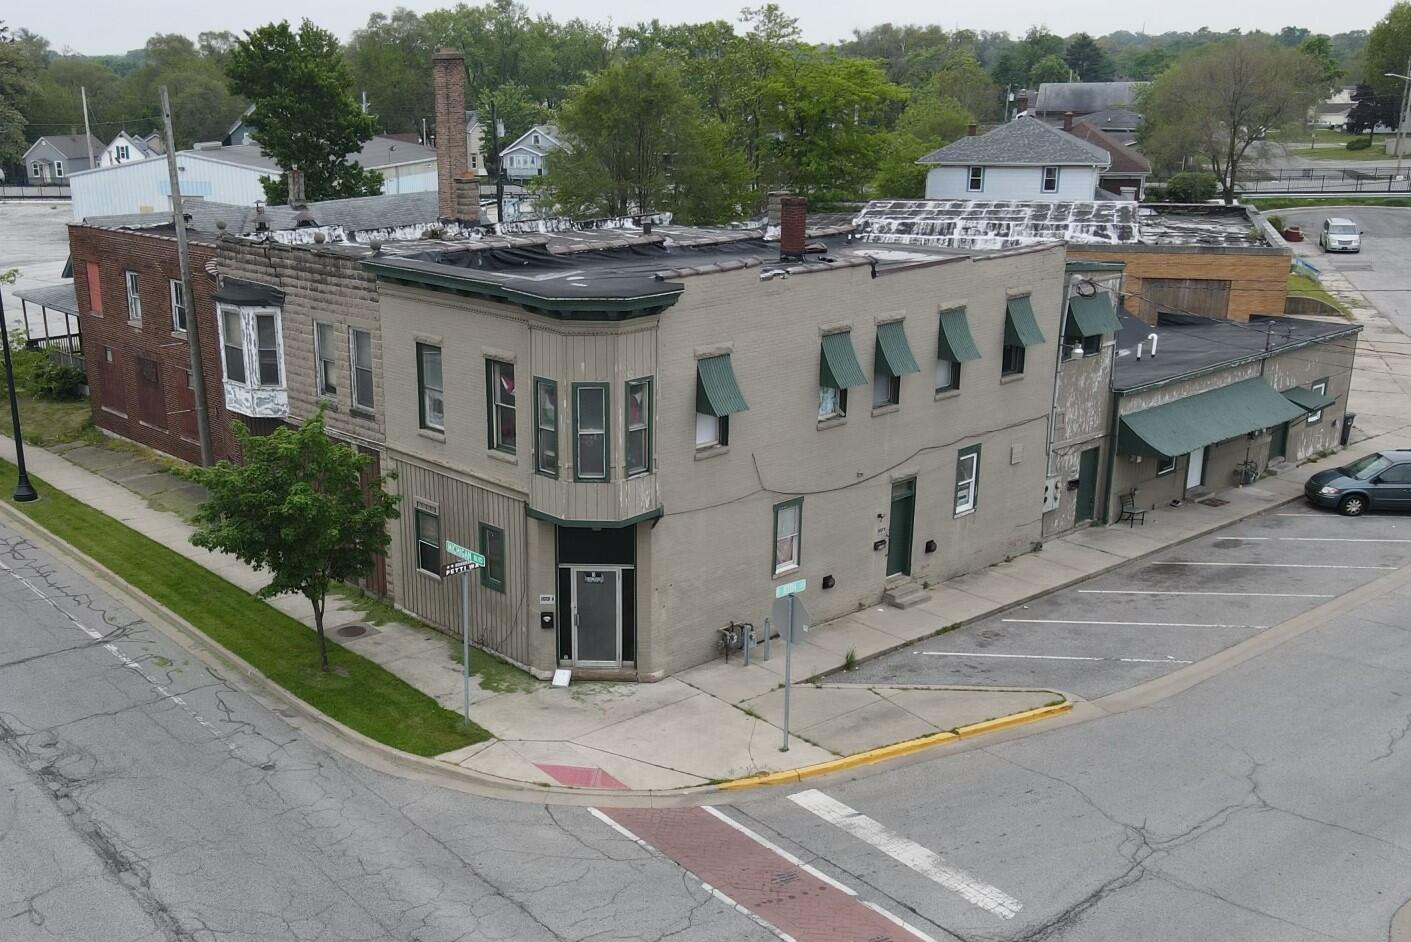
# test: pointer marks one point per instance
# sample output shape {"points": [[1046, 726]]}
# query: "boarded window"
{"points": [[1207, 296], [151, 407]]}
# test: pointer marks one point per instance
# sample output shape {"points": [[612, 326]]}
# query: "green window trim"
{"points": [[893, 355], [1020, 327], [775, 567], [717, 390], [838, 367], [492, 574], [548, 468], [629, 469], [606, 434], [1092, 317], [956, 343]]}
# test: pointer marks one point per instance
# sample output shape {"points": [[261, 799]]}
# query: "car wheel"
{"points": [[1352, 505]]}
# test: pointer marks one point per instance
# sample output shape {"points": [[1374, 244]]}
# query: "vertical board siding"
{"points": [[498, 620]]}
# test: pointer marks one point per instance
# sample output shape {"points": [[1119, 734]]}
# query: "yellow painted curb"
{"points": [[895, 750]]}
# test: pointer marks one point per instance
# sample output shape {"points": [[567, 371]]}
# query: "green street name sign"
{"points": [[790, 588], [469, 555]]}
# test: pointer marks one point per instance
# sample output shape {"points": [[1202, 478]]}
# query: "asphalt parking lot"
{"points": [[1164, 612]]}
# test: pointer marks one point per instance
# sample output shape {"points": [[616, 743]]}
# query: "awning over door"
{"points": [[956, 344], [893, 352], [1020, 328], [837, 363], [717, 393], [1184, 425], [1308, 400], [1089, 317]]}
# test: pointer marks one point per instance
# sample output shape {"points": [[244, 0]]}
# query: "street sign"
{"points": [[469, 555], [790, 588], [790, 618], [456, 568]]}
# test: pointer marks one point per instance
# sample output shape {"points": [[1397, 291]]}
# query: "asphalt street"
{"points": [[1382, 270]]}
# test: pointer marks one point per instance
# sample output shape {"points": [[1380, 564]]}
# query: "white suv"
{"points": [[1340, 235]]}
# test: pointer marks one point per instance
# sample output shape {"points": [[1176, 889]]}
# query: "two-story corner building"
{"points": [[1201, 404], [1024, 159], [644, 442]]}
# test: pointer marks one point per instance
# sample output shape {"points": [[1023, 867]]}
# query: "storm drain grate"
{"points": [[1213, 502], [355, 630]]}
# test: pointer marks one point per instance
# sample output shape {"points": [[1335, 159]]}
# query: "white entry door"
{"points": [[1195, 468]]}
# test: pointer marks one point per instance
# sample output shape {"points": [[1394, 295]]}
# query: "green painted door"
{"points": [[1087, 485], [900, 529], [1279, 442]]}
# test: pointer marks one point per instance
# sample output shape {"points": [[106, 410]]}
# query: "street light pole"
{"points": [[24, 491], [1401, 115]]}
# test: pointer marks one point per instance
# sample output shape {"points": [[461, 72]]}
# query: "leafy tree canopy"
{"points": [[1086, 58]]}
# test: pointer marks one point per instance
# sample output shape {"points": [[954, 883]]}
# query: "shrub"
{"points": [[1192, 187], [1154, 193], [37, 375], [1277, 222], [1360, 143]]}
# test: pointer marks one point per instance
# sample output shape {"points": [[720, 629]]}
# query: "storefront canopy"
{"points": [[1092, 316], [1308, 400], [1183, 425]]}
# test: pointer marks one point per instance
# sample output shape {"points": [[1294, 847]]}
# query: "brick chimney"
{"points": [[448, 77], [971, 129], [793, 220], [295, 177], [1021, 103], [1068, 121]]}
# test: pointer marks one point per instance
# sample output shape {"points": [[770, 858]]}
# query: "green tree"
{"points": [[297, 508], [305, 115], [17, 69], [1143, 65], [965, 80], [390, 59], [1048, 69], [201, 103], [927, 124], [1017, 62], [1218, 100], [641, 144], [1088, 59], [1389, 49], [1319, 48]]}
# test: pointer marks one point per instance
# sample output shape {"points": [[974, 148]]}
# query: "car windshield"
{"points": [[1368, 467], [1343, 230]]}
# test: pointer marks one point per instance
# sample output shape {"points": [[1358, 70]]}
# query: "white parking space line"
{"points": [[1132, 624], [1335, 539], [1173, 562], [906, 851], [1244, 539], [1304, 514], [1259, 595], [1061, 657]]}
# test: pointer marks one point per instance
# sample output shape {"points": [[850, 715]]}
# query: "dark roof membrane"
{"points": [[249, 294]]}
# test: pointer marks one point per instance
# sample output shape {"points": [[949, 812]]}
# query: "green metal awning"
{"points": [[893, 352], [1020, 328], [837, 363], [956, 344], [1090, 317], [1308, 400], [717, 393], [1184, 425]]}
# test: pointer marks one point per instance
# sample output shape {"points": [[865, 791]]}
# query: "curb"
{"points": [[896, 750]]}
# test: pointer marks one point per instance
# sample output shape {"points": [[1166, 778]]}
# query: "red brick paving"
{"points": [[579, 776], [783, 894]]}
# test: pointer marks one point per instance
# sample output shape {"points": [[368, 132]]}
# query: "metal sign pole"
{"points": [[465, 640], [788, 668]]}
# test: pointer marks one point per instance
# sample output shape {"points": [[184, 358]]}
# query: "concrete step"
{"points": [[906, 595]]}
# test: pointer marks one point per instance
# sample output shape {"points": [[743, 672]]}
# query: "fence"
{"points": [[54, 192], [1325, 180]]}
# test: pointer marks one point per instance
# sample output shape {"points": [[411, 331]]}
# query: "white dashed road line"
{"points": [[1060, 657], [906, 851]]}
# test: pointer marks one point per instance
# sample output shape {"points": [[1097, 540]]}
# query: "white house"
{"points": [[126, 148], [1025, 159], [527, 156]]}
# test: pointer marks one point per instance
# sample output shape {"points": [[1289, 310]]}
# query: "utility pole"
{"points": [[1401, 117], [87, 134], [188, 293]]}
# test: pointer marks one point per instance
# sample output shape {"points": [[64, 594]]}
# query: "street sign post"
{"points": [[468, 560], [789, 610]]}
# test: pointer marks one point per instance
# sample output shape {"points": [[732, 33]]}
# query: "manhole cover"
{"points": [[1214, 502], [355, 630]]}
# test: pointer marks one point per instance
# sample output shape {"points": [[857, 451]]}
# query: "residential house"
{"points": [[1119, 123], [1024, 159], [1055, 99], [56, 157], [475, 143], [240, 131], [527, 155], [1126, 175], [125, 148]]}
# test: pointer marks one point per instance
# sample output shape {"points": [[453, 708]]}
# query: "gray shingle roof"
{"points": [[383, 151], [357, 214], [1114, 119], [72, 146], [1022, 142], [1084, 97]]}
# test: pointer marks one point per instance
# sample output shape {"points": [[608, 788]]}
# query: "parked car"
{"points": [[1381, 481], [1340, 235]]}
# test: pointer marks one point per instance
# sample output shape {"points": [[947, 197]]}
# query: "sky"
{"points": [[109, 26]]}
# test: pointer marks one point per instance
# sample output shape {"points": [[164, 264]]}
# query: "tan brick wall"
{"points": [[1258, 280]]}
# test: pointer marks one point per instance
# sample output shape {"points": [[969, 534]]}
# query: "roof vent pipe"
{"points": [[1139, 352], [1068, 121], [1153, 338]]}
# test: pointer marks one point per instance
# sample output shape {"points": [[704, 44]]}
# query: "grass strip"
{"points": [[1329, 201], [355, 692], [1302, 286]]}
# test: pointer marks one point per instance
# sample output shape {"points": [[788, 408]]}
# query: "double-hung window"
{"points": [[1319, 388], [325, 363], [361, 343], [639, 427], [1165, 465], [967, 479], [58, 168], [492, 547], [1012, 360], [590, 432], [428, 541], [499, 384], [267, 348], [838, 369], [788, 526], [546, 427], [947, 375], [122, 152], [134, 300], [1050, 180], [712, 430], [178, 305], [431, 406], [975, 181], [233, 344]]}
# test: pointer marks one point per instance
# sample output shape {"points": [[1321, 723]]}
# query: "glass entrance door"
{"points": [[597, 616]]}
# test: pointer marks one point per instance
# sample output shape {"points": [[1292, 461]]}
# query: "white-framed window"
{"points": [[1165, 465], [967, 479], [36, 170], [1319, 388], [712, 430], [178, 305], [637, 457], [499, 380], [1050, 180], [536, 139], [325, 363], [832, 403], [121, 151], [590, 432], [428, 377], [134, 300], [233, 344], [58, 168], [360, 342], [267, 349], [947, 375], [788, 525], [428, 541], [975, 181]]}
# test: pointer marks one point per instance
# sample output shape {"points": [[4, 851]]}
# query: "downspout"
{"points": [[1050, 456]]}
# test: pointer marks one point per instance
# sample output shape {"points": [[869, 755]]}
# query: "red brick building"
{"points": [[132, 317]]}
